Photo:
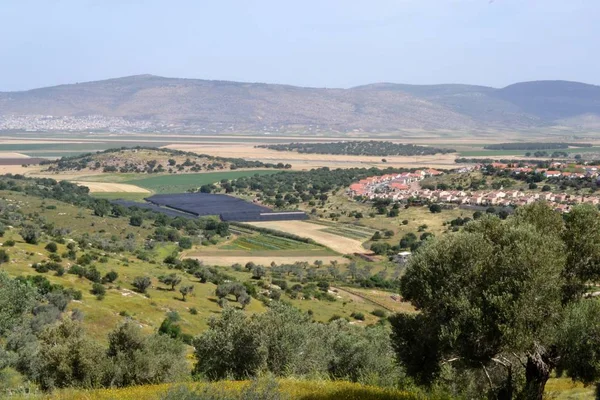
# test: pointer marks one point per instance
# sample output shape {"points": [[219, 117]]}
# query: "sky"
{"points": [[319, 43]]}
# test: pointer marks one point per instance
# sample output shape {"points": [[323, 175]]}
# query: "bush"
{"points": [[136, 220], [358, 316], [435, 208], [379, 313], [98, 290], [110, 277], [30, 234], [185, 243], [4, 258], [9, 243], [51, 247]]}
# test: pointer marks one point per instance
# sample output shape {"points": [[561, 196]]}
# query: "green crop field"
{"points": [[139, 197], [262, 242], [182, 183]]}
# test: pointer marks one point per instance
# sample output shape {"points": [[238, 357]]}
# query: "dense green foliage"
{"points": [[286, 342], [287, 189], [360, 148], [491, 299]]}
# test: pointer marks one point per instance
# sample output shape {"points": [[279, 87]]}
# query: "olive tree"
{"points": [[492, 297]]}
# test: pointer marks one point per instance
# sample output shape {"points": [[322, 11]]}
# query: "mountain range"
{"points": [[148, 102]]}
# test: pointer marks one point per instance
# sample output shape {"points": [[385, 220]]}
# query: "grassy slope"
{"points": [[101, 316]]}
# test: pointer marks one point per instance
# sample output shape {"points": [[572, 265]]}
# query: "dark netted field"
{"points": [[229, 208]]}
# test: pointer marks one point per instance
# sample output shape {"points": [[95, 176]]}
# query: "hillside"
{"points": [[152, 103], [149, 160]]}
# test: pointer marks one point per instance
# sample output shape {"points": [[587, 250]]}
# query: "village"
{"points": [[405, 187]]}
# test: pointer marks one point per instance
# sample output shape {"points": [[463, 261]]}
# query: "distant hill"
{"points": [[152, 103]]}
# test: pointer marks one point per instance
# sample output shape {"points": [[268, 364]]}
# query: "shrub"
{"points": [[98, 290], [185, 243], [136, 220], [358, 316], [435, 208], [30, 234], [9, 243], [51, 247], [4, 258], [379, 313], [110, 277]]}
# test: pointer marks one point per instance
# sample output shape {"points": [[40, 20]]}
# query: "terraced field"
{"points": [[268, 242], [336, 242]]}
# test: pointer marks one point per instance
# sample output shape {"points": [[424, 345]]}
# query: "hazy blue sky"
{"points": [[324, 43]]}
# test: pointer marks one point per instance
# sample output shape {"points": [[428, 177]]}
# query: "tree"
{"points": [[141, 283], [110, 277], [66, 357], [30, 234], [380, 248], [4, 257], [185, 290], [98, 290], [170, 280], [497, 295], [136, 220], [435, 208], [17, 297], [51, 247], [258, 272], [203, 274], [136, 359], [185, 242], [102, 208], [170, 327]]}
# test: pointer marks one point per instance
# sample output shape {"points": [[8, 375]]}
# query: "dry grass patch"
{"points": [[308, 161], [106, 187]]}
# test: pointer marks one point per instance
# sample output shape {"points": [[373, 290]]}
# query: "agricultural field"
{"points": [[300, 161], [262, 242], [318, 233], [183, 183]]}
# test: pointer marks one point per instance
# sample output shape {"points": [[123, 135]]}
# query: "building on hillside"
{"points": [[402, 257]]}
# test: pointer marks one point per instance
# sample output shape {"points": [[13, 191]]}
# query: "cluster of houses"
{"points": [[555, 170], [399, 187], [390, 183]]}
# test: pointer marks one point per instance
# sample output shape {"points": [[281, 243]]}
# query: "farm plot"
{"points": [[351, 231], [336, 242], [184, 182], [263, 242]]}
